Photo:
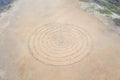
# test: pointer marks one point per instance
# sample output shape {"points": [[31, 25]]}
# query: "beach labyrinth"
{"points": [[59, 44]]}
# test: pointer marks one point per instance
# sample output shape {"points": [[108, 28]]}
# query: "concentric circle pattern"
{"points": [[59, 44]]}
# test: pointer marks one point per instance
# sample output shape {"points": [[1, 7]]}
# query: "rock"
{"points": [[117, 21], [113, 5]]}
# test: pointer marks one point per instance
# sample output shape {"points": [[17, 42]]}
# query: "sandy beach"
{"points": [[56, 40]]}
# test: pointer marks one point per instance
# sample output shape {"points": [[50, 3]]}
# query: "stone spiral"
{"points": [[59, 44]]}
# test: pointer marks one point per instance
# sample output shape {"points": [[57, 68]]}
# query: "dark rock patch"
{"points": [[113, 5], [117, 21]]}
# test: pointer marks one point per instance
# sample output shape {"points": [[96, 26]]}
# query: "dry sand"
{"points": [[55, 40]]}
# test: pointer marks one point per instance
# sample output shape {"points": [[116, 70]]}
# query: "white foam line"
{"points": [[9, 16], [15, 7]]}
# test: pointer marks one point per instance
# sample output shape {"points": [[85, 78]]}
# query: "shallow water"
{"points": [[5, 5]]}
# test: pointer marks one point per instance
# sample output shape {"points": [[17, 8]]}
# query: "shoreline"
{"points": [[109, 19]]}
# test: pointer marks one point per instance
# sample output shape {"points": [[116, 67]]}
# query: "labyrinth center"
{"points": [[59, 44]]}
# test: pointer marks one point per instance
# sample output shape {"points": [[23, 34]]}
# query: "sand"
{"points": [[56, 40]]}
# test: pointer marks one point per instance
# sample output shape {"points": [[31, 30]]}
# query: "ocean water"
{"points": [[4, 3]]}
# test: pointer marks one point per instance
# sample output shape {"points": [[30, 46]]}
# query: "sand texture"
{"points": [[56, 40]]}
